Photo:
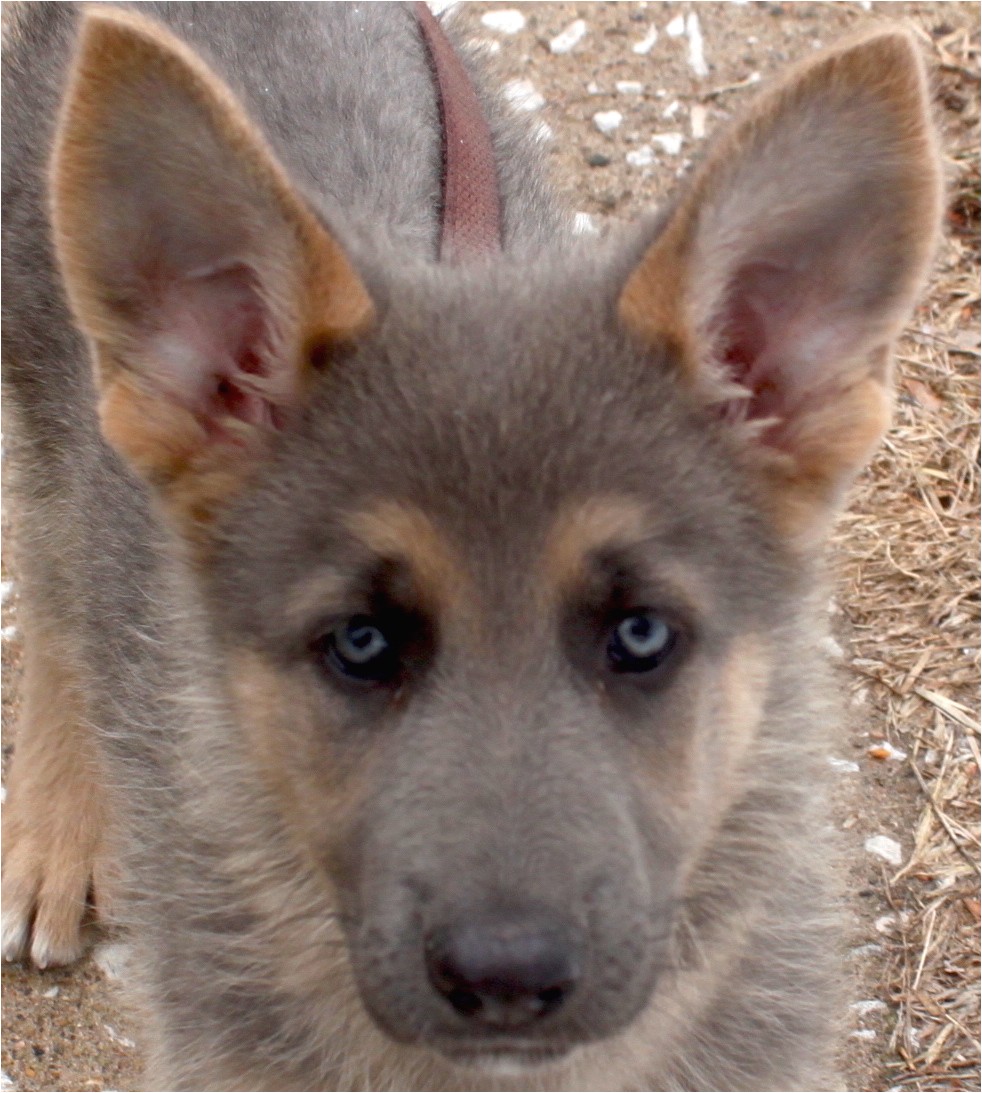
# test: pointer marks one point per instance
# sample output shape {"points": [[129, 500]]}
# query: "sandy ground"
{"points": [[66, 1029]]}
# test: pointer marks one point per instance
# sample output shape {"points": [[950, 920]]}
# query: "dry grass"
{"points": [[910, 559]]}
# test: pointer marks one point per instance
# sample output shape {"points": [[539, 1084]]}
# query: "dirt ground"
{"points": [[905, 564]]}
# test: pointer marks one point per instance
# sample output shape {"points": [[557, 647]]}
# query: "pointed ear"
{"points": [[790, 263], [207, 288]]}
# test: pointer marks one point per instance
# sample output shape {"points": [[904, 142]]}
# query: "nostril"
{"points": [[504, 968], [553, 997], [465, 1002]]}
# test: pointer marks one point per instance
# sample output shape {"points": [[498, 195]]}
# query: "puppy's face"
{"points": [[499, 643], [494, 559]]}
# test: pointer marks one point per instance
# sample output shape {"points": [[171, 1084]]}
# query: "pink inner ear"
{"points": [[749, 325], [780, 339], [212, 351]]}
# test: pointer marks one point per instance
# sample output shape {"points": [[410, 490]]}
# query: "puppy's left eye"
{"points": [[641, 642], [362, 648]]}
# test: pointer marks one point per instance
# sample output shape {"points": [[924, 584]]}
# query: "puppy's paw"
{"points": [[51, 850]]}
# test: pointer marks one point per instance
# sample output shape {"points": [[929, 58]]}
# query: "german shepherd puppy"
{"points": [[435, 644]]}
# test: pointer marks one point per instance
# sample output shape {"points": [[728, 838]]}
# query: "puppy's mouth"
{"points": [[505, 1061]]}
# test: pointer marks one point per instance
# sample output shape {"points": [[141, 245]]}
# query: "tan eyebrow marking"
{"points": [[579, 531], [398, 530], [598, 522]]}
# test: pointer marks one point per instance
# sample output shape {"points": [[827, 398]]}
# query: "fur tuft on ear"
{"points": [[200, 277], [791, 262]]}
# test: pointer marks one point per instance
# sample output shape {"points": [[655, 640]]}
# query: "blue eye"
{"points": [[640, 642], [360, 648]]}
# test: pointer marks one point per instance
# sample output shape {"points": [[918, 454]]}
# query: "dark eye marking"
{"points": [[628, 624], [385, 639]]}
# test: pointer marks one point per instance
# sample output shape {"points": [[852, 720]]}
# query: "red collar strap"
{"points": [[471, 198]]}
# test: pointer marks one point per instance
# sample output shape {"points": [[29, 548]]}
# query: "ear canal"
{"points": [[200, 277], [791, 262]]}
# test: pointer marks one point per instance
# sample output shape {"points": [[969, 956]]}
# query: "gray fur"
{"points": [[490, 399]]}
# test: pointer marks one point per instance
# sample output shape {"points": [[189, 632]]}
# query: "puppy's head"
{"points": [[499, 562]]}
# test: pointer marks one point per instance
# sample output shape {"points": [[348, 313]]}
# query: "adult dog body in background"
{"points": [[441, 637]]}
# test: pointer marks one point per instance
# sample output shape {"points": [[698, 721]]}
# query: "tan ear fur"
{"points": [[169, 206], [836, 167]]}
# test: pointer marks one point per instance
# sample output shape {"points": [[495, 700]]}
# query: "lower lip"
{"points": [[508, 1064]]}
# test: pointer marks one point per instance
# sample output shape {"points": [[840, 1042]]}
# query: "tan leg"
{"points": [[54, 815]]}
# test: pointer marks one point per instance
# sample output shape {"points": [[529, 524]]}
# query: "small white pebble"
{"points": [[643, 48], [831, 648], [752, 39], [7, 633], [697, 59], [863, 1034], [868, 1006], [524, 95], [885, 924], [6, 1082], [672, 109], [697, 120], [629, 87], [3, 795], [438, 7], [566, 40], [641, 157], [886, 848], [865, 4], [584, 224], [123, 1041], [669, 143], [6, 587], [505, 22], [111, 959], [608, 120], [51, 992], [676, 28], [593, 88], [843, 766]]}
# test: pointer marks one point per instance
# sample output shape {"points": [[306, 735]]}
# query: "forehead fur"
{"points": [[491, 401], [481, 383]]}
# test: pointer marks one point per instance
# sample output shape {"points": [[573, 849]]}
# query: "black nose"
{"points": [[505, 969]]}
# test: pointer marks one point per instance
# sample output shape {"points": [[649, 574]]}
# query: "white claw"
{"points": [[13, 935]]}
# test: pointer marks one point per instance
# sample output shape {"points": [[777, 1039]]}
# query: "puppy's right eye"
{"points": [[641, 642], [362, 648]]}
